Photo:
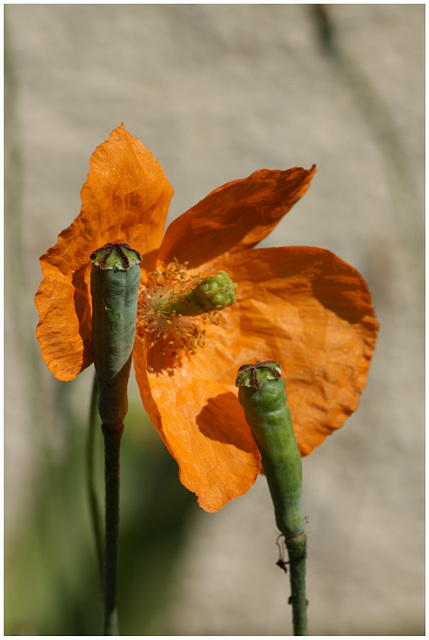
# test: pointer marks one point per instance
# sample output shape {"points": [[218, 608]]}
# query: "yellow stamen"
{"points": [[157, 320]]}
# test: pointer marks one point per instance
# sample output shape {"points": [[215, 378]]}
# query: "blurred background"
{"points": [[216, 92]]}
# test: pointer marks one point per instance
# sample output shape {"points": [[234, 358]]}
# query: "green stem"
{"points": [[94, 507], [297, 550], [261, 392], [115, 280], [112, 442]]}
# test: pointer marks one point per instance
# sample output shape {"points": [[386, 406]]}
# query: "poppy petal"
{"points": [[202, 425], [311, 312], [125, 199], [64, 329], [234, 217]]}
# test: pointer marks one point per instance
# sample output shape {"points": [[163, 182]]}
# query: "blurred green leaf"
{"points": [[52, 585]]}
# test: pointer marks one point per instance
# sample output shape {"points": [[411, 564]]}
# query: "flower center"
{"points": [[174, 307]]}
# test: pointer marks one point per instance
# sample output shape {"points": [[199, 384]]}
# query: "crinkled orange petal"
{"points": [[201, 423], [234, 217], [125, 199], [301, 306], [311, 312]]}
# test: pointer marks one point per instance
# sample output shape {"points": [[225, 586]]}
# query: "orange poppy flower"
{"points": [[302, 306]]}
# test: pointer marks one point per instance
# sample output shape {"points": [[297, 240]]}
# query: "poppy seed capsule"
{"points": [[261, 392], [115, 280], [116, 255], [211, 293], [216, 292], [255, 375]]}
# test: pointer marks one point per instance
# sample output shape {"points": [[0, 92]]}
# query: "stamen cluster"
{"points": [[159, 321]]}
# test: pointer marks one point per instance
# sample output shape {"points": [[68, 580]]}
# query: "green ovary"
{"points": [[173, 306]]}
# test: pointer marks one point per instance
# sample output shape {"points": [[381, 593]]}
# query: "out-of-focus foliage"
{"points": [[52, 584]]}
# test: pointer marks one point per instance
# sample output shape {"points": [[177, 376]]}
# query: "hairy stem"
{"points": [[261, 392], [297, 550]]}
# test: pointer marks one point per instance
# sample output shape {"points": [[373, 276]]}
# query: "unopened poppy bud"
{"points": [[115, 280]]}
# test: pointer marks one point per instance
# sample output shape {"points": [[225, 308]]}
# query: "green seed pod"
{"points": [[217, 292], [115, 281], [212, 293], [262, 394]]}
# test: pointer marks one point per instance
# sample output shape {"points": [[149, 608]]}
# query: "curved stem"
{"points": [[94, 506], [297, 550], [261, 392], [112, 442]]}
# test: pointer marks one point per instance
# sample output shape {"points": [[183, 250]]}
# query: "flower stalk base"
{"points": [[94, 507], [112, 443], [297, 550]]}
